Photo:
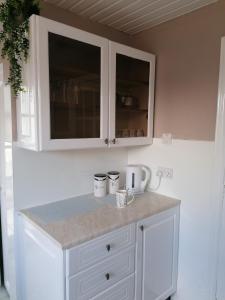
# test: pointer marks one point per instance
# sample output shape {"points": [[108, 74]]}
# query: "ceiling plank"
{"points": [[131, 16], [169, 16]]}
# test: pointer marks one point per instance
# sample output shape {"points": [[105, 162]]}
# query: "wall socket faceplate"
{"points": [[166, 172]]}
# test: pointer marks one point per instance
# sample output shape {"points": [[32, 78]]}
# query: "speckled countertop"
{"points": [[73, 221]]}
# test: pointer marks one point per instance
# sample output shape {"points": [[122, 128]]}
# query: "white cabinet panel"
{"points": [[94, 280], [124, 290], [92, 252], [66, 81], [158, 247], [40, 265]]}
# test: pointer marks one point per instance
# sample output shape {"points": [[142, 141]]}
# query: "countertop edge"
{"points": [[72, 244]]}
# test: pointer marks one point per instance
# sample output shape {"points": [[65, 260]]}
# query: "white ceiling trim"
{"points": [[123, 9], [88, 9], [131, 16], [143, 14], [160, 12], [105, 10]]}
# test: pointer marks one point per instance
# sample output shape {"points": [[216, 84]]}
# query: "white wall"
{"points": [[192, 163], [50, 176], [45, 177]]}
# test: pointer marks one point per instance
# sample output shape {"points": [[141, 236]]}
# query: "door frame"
{"points": [[1, 135], [2, 191], [218, 207]]}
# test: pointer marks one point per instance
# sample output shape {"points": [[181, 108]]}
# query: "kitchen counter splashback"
{"points": [[73, 221]]}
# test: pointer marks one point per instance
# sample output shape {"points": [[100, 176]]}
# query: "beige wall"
{"points": [[187, 50]]}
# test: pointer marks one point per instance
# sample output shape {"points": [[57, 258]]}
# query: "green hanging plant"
{"points": [[14, 36]]}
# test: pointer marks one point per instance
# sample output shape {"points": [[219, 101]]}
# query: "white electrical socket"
{"points": [[166, 172], [167, 138]]}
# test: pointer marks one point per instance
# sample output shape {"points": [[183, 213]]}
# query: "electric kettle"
{"points": [[135, 181]]}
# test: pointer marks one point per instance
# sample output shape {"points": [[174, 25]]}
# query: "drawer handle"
{"points": [[142, 227], [107, 276], [108, 247]]}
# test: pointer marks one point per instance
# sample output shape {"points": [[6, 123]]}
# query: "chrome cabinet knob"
{"points": [[142, 227]]}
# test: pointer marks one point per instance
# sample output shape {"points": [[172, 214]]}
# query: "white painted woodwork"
{"points": [[157, 250], [40, 270], [89, 283], [146, 263], [33, 105], [7, 192], [27, 102], [36, 97], [218, 264], [124, 290], [89, 253], [115, 49], [5, 207], [130, 16]]}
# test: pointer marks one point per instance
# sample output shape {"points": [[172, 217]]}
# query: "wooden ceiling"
{"points": [[130, 16]]}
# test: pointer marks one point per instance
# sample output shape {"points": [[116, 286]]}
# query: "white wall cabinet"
{"points": [[83, 91], [135, 262], [131, 95]]}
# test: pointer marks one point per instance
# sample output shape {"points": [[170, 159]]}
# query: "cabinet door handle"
{"points": [[142, 227], [107, 276], [106, 141], [113, 141], [108, 247]]}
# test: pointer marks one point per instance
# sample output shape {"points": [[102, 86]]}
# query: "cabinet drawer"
{"points": [[123, 290], [87, 254], [102, 276]]}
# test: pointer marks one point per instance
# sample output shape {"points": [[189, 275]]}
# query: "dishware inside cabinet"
{"points": [[74, 71], [132, 88]]}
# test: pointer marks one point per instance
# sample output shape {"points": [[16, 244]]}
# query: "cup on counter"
{"points": [[113, 181], [123, 198], [100, 182]]}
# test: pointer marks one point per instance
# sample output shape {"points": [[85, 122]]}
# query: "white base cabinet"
{"points": [[135, 262], [157, 253]]}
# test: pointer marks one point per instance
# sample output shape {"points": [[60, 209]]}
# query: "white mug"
{"points": [[122, 198], [100, 185], [114, 181]]}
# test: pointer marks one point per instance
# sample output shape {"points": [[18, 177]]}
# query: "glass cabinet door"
{"points": [[74, 74], [74, 92], [131, 95]]}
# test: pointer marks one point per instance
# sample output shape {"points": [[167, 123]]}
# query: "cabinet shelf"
{"points": [[75, 73], [132, 110], [126, 83], [73, 106]]}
